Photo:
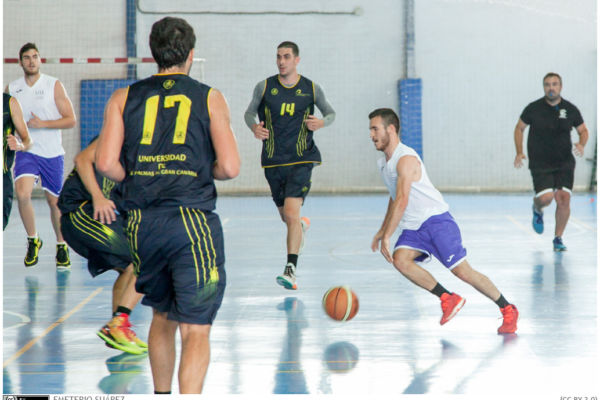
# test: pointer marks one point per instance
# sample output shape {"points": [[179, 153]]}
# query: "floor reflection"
{"points": [[289, 377]]}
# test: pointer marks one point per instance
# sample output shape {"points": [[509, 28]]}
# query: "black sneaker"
{"points": [[33, 249], [62, 257]]}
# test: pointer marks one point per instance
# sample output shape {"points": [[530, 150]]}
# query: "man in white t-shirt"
{"points": [[418, 209], [47, 109]]}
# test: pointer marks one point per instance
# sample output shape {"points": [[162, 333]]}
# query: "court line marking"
{"points": [[581, 223], [24, 319], [50, 328]]}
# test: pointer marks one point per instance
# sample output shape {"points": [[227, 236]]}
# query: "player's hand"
{"points": [[104, 210], [519, 160], [376, 240], [14, 143], [385, 249], [260, 132], [578, 150], [313, 123], [35, 122]]}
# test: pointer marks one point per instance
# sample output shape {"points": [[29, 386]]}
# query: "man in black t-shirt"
{"points": [[550, 150]]}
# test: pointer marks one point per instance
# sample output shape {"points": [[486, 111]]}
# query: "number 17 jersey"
{"points": [[167, 151]]}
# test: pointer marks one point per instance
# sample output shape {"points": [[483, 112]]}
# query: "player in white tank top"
{"points": [[418, 209], [424, 200], [47, 109], [39, 100]]}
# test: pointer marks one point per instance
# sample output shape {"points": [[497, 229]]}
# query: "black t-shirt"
{"points": [[168, 152], [284, 111], [549, 142]]}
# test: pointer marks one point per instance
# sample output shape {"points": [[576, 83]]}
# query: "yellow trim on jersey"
{"points": [[270, 143], [302, 135], [208, 101], [288, 87], [294, 163], [90, 227], [125, 102], [314, 93]]}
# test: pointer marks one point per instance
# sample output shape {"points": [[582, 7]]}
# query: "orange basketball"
{"points": [[340, 303]]}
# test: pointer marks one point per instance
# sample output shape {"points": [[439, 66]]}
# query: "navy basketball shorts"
{"points": [[289, 181], [545, 180], [179, 260], [104, 246], [439, 236], [8, 194]]}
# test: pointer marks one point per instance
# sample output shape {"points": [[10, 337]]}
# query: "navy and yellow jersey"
{"points": [[74, 193], [284, 111], [167, 151], [8, 127]]}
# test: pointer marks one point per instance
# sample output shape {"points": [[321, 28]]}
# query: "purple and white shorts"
{"points": [[438, 236], [49, 170]]}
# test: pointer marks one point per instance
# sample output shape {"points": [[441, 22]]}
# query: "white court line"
{"points": [[24, 320], [526, 230], [581, 224]]}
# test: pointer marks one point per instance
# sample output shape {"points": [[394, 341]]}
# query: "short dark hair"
{"points": [[388, 117], [551, 74], [290, 45], [26, 47], [171, 41]]}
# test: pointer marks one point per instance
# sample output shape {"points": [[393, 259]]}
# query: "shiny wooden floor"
{"points": [[267, 340]]}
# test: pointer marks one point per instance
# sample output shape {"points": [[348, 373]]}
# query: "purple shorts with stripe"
{"points": [[49, 170], [439, 236]]}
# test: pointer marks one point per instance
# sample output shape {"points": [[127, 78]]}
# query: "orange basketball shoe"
{"points": [[510, 314], [451, 304]]}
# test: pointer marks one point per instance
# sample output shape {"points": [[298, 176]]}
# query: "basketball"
{"points": [[340, 303]]}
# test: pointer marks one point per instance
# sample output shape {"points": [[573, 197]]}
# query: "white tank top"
{"points": [[39, 99], [424, 200]]}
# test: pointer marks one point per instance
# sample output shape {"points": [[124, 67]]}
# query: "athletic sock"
{"points": [[293, 258], [439, 290], [61, 243], [33, 237], [157, 392], [122, 310], [502, 301]]}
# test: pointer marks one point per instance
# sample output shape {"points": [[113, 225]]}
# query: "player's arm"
{"points": [[65, 108], [111, 138], [583, 133], [24, 142], [409, 171], [227, 165], [379, 234], [312, 122], [519, 129], [259, 130], [104, 209]]}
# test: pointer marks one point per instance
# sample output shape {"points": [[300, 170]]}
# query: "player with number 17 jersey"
{"points": [[167, 149]]}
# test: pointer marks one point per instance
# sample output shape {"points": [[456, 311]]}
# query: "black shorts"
{"points": [[179, 260], [8, 197], [289, 181], [552, 179], [104, 246]]}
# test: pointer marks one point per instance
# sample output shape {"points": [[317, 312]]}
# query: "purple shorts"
{"points": [[438, 236], [49, 170]]}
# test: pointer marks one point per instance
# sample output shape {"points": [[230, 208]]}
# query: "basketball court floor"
{"points": [[267, 340]]}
